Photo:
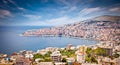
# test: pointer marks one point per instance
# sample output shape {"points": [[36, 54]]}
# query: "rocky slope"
{"points": [[103, 28]]}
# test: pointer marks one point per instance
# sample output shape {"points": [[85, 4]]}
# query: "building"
{"points": [[109, 51], [56, 56], [70, 61], [29, 56], [80, 57], [43, 51], [80, 54], [69, 47], [23, 61], [60, 63], [45, 63]]}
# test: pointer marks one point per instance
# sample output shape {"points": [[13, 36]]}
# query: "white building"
{"points": [[56, 56], [80, 57], [29, 56], [59, 63]]}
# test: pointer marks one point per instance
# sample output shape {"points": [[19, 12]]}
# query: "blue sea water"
{"points": [[10, 41]]}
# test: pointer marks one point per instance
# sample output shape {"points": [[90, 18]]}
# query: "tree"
{"points": [[89, 50], [93, 60], [48, 54], [100, 52], [64, 60], [47, 59], [68, 53], [90, 56], [90, 59], [116, 55], [38, 56]]}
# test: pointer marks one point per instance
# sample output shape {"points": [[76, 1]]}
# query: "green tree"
{"points": [[48, 54], [64, 60], [68, 53], [37, 56], [116, 55], [90, 59], [89, 50], [100, 52], [47, 59]]}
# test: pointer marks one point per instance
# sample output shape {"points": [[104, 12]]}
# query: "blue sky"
{"points": [[53, 12]]}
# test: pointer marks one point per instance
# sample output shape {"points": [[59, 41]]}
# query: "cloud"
{"points": [[33, 17], [5, 13], [22, 9], [73, 8], [4, 1], [64, 2], [61, 21], [15, 4], [51, 22], [67, 10], [12, 2], [86, 11], [116, 9]]}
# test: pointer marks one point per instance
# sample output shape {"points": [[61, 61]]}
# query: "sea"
{"points": [[11, 40]]}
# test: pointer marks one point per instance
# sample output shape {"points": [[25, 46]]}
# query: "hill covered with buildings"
{"points": [[102, 28]]}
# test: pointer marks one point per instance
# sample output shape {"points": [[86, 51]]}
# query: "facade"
{"points": [[23, 61], [80, 57], [56, 56], [81, 54]]}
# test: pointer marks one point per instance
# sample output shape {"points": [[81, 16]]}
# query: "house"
{"points": [[23, 61]]}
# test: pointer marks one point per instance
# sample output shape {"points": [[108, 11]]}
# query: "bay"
{"points": [[11, 41]]}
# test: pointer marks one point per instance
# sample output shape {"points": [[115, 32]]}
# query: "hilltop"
{"points": [[107, 18], [102, 28]]}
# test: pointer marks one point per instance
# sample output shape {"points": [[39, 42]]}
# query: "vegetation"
{"points": [[46, 57], [116, 55], [64, 60], [38, 56], [90, 59], [89, 50], [68, 53], [48, 54], [90, 56], [100, 52]]}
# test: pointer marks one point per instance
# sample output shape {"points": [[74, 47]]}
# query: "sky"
{"points": [[54, 12]]}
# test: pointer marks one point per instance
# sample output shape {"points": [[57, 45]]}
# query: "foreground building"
{"points": [[56, 56], [80, 54], [23, 61]]}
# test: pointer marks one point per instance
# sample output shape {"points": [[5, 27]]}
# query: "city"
{"points": [[98, 54], [59, 32]]}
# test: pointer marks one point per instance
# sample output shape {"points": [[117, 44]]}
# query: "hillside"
{"points": [[102, 28]]}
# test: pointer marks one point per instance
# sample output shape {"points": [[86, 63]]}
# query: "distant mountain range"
{"points": [[102, 28]]}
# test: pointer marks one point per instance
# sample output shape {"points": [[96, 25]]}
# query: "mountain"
{"points": [[102, 28], [107, 18]]}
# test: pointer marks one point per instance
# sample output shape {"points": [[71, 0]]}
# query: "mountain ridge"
{"points": [[107, 18]]}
